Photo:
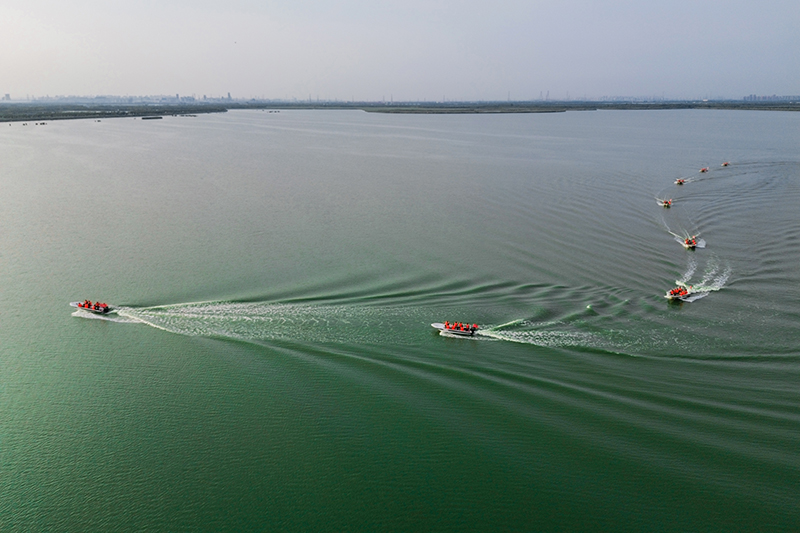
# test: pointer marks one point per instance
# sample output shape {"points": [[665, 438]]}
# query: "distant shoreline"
{"points": [[559, 107], [24, 112]]}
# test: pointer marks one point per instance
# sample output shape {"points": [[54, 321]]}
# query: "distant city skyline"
{"points": [[351, 50]]}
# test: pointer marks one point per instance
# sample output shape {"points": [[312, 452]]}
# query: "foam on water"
{"points": [[692, 266], [545, 338], [323, 323], [263, 321], [714, 278]]}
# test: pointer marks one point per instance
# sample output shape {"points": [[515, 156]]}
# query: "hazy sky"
{"points": [[405, 50]]}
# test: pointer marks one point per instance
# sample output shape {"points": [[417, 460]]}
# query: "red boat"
{"points": [[457, 328], [97, 308], [678, 293]]}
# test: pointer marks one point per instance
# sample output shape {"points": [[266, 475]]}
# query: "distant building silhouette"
{"points": [[773, 98]]}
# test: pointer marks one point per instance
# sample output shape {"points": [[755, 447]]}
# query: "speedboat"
{"points": [[704, 169], [464, 330], [680, 181], [93, 307], [678, 293], [725, 164], [664, 203]]}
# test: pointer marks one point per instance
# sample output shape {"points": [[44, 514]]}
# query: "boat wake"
{"points": [[714, 278], [551, 334], [607, 328], [685, 235], [261, 321], [542, 336], [264, 322]]}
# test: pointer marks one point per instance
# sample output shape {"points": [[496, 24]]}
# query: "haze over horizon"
{"points": [[403, 51]]}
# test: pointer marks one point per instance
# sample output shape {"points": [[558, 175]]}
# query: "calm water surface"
{"points": [[272, 364]]}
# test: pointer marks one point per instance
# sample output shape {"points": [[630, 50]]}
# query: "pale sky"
{"points": [[401, 50]]}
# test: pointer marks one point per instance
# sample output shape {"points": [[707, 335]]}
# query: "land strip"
{"points": [[24, 111]]}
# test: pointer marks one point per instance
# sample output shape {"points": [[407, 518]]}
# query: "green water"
{"points": [[271, 364]]}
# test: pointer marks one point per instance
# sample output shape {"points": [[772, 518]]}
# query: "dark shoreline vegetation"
{"points": [[22, 112], [19, 112]]}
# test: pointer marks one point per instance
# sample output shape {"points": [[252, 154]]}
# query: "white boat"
{"points": [[93, 307], [467, 331]]}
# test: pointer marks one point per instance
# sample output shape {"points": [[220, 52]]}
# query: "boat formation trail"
{"points": [[690, 241]]}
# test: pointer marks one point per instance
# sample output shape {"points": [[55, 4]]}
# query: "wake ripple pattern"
{"points": [[273, 321], [330, 324], [714, 278], [553, 334]]}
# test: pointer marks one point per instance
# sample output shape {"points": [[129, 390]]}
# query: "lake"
{"points": [[271, 364]]}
